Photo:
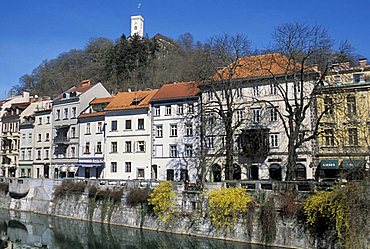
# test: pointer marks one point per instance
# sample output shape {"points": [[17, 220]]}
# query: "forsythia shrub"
{"points": [[331, 205], [162, 198], [226, 205]]}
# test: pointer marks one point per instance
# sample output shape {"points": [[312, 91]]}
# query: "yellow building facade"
{"points": [[343, 107]]}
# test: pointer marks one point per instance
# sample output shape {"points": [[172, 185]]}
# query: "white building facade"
{"points": [[66, 109], [128, 136], [176, 132]]}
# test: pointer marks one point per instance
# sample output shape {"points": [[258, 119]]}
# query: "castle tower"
{"points": [[137, 25]]}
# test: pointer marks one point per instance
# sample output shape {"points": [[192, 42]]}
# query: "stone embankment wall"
{"points": [[37, 195]]}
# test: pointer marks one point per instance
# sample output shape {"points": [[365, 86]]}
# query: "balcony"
{"points": [[61, 140]]}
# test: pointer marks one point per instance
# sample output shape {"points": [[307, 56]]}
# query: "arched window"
{"points": [[275, 172], [237, 172], [300, 172], [216, 173], [253, 172]]}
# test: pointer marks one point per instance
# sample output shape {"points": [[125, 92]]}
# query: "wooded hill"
{"points": [[134, 62]]}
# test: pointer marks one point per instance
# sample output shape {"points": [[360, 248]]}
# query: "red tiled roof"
{"points": [[97, 101], [259, 66], [177, 90], [94, 114], [131, 100]]}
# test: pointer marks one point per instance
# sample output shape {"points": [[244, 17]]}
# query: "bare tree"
{"points": [[302, 57], [219, 99]]}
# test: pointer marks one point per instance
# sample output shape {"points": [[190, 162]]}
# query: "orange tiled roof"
{"points": [[177, 90], [94, 114], [101, 100], [258, 66], [131, 100]]}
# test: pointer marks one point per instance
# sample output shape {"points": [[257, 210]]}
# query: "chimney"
{"points": [[85, 83], [362, 62], [26, 95]]}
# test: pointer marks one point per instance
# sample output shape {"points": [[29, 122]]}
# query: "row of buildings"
{"points": [[176, 132]]}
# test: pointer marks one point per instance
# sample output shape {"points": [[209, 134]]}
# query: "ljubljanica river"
{"points": [[27, 230]]}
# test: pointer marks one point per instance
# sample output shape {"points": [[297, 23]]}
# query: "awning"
{"points": [[329, 164], [90, 165], [353, 163], [72, 169], [63, 169]]}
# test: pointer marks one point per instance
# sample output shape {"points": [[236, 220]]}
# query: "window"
{"points": [[173, 151], [73, 152], [88, 128], [98, 148], [40, 121], [329, 137], [191, 108], [113, 147], [100, 127], [358, 78], [128, 125], [87, 148], [140, 173], [180, 109], [113, 167], [351, 105], [29, 135], [352, 136], [157, 111], [239, 92], [168, 110], [188, 150], [128, 167], [273, 114], [273, 89], [65, 113], [114, 125], [23, 155], [73, 132], [274, 140], [210, 95], [328, 105], [38, 154], [141, 146], [159, 131], [58, 115], [47, 137], [239, 115], [140, 124], [256, 114], [46, 154], [189, 129], [128, 146], [39, 138], [297, 87], [24, 136], [256, 91], [29, 154], [170, 176], [74, 112], [209, 143], [173, 130], [48, 120]]}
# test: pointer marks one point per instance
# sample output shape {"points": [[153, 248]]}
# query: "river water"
{"points": [[27, 230]]}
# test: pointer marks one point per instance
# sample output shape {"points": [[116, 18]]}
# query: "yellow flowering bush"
{"points": [[331, 205], [162, 198], [226, 205]]}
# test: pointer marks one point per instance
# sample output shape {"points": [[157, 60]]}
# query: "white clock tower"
{"points": [[137, 25]]}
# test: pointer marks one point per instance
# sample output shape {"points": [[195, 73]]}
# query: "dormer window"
{"points": [[65, 95], [358, 77], [136, 101], [73, 94]]}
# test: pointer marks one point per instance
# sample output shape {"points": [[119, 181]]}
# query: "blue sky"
{"points": [[34, 30]]}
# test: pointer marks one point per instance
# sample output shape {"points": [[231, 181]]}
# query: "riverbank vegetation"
{"points": [[341, 213], [226, 206]]}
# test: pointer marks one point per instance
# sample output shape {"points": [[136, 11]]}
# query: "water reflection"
{"points": [[25, 230]]}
